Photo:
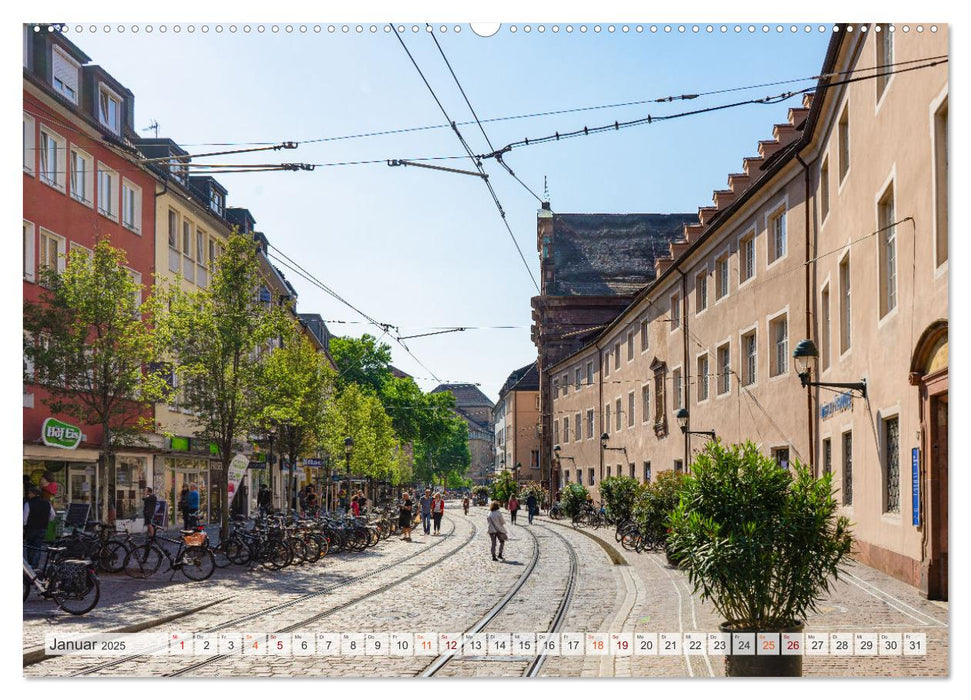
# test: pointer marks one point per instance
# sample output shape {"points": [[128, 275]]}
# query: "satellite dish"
{"points": [[485, 29]]}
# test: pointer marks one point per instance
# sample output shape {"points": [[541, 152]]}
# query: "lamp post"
{"points": [[603, 447], [682, 416], [348, 448], [805, 358]]}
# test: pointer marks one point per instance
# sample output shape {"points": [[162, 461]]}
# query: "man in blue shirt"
{"points": [[192, 501], [426, 511]]}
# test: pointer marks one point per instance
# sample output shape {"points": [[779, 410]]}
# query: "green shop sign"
{"points": [[56, 433]]}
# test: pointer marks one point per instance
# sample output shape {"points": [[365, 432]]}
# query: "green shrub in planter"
{"points": [[619, 494], [760, 542], [654, 505], [504, 487], [573, 497]]}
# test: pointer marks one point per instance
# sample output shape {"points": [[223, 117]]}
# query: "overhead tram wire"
{"points": [[569, 110], [650, 119], [310, 277], [476, 161]]}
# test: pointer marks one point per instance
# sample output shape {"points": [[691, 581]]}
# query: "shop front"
{"points": [[175, 475]]}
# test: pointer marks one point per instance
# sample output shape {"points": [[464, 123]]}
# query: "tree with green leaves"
{"points": [[438, 458], [91, 347], [294, 386], [504, 487], [359, 415], [619, 494], [218, 339]]}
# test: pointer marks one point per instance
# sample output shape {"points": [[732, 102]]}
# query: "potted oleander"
{"points": [[761, 543]]}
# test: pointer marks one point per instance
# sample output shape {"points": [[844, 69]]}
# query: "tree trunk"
{"points": [[224, 499]]}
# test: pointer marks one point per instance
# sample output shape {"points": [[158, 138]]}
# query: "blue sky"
{"points": [[421, 249]]}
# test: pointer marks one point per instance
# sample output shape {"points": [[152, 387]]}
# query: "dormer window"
{"points": [[177, 168], [109, 109], [64, 74], [216, 202]]}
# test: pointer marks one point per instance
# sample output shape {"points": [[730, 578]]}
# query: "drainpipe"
{"points": [[600, 404], [809, 307], [686, 371]]}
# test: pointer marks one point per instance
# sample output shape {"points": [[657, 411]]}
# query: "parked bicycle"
{"points": [[71, 583], [192, 557]]}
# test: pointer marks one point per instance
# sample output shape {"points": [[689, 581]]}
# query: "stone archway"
{"points": [[929, 373]]}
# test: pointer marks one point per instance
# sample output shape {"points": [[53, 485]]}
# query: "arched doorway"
{"points": [[928, 372]]}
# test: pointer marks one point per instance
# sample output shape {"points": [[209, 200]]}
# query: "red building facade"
{"points": [[81, 185]]}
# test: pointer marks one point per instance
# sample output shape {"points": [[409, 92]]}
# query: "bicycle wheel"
{"points": [[75, 588], [238, 552], [112, 556], [219, 556], [143, 560], [276, 555], [299, 550], [198, 563]]}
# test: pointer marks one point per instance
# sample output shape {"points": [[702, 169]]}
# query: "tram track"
{"points": [[534, 665], [95, 668]]}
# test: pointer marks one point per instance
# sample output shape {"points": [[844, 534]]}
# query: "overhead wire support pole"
{"points": [[187, 156], [397, 162]]}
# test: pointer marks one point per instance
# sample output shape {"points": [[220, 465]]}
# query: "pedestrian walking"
{"points": [[184, 506], [361, 502], [426, 511], [497, 530], [531, 506], [311, 501], [192, 503], [404, 517], [264, 500], [465, 504], [38, 514], [149, 504], [513, 506], [438, 510], [355, 506]]}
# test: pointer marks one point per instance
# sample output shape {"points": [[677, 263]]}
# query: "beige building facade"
{"points": [[836, 233], [517, 425]]}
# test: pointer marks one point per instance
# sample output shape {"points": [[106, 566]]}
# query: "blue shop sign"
{"points": [[843, 402], [915, 485]]}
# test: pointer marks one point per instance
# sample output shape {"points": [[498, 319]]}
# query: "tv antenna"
{"points": [[152, 127]]}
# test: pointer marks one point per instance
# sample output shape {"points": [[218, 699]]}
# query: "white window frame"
{"points": [[113, 178], [566, 383], [30, 145], [619, 410], [941, 103], [770, 321], [884, 310], [845, 317], [843, 175], [726, 255], [702, 377], [675, 312], [645, 335], [677, 388], [59, 53], [61, 249], [777, 212], [577, 378], [878, 45], [825, 203], [753, 331], [750, 236], [136, 224], [590, 373], [727, 343], [591, 424], [605, 362], [825, 326], [630, 345], [631, 409], [87, 199], [60, 155], [617, 354], [648, 415], [702, 275], [606, 418], [119, 102], [30, 256]]}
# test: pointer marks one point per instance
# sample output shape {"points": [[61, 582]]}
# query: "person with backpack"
{"points": [[192, 507], [531, 506]]}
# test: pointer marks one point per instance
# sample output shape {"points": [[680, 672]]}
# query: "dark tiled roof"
{"points": [[610, 254], [523, 379], [466, 395]]}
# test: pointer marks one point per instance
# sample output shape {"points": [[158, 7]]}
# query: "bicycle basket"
{"points": [[73, 577], [196, 539]]}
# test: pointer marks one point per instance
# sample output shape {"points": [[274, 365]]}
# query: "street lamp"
{"points": [[348, 448], [805, 357], [603, 446], [519, 465], [682, 416]]}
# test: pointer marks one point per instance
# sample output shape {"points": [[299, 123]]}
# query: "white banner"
{"points": [[237, 468]]}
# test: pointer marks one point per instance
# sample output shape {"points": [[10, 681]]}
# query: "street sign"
{"points": [[313, 462], [915, 485]]}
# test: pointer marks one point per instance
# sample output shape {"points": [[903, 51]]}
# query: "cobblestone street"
{"points": [[449, 584]]}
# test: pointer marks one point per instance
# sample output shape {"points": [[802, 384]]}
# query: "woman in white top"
{"points": [[497, 529]]}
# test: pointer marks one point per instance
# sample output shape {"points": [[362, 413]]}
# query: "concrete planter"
{"points": [[766, 665]]}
